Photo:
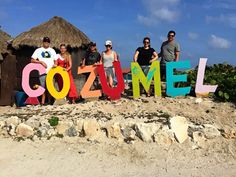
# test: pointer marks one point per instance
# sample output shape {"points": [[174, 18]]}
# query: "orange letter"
{"points": [[85, 92]]}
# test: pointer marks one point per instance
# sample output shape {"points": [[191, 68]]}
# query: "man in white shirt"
{"points": [[47, 57]]}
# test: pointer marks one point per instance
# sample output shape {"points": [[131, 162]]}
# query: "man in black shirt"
{"points": [[92, 57]]}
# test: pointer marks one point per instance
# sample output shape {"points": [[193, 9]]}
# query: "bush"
{"points": [[223, 75]]}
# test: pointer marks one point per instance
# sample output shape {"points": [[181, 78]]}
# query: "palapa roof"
{"points": [[4, 37], [57, 29]]}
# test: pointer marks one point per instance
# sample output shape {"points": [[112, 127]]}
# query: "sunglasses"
{"points": [[108, 45], [146, 42], [171, 35]]}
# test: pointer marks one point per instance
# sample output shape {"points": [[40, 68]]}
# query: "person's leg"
{"points": [[42, 80], [110, 81]]}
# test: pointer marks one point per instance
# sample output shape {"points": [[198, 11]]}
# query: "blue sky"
{"points": [[205, 28]]}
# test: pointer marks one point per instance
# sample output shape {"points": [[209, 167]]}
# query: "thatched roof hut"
{"points": [[4, 37], [59, 31]]}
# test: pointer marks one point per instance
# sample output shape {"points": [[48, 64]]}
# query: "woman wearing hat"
{"points": [[107, 58]]}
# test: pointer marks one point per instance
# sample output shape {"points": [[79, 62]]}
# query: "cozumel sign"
{"points": [[115, 93]]}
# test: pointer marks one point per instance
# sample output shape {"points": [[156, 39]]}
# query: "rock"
{"points": [[198, 100], [113, 131], [2, 124], [91, 128], [33, 123], [146, 131], [63, 126], [51, 132], [60, 102], [179, 126], [79, 125], [13, 120], [199, 139], [163, 138], [128, 133], [24, 130], [71, 132], [42, 131], [228, 133], [45, 123], [11, 129], [210, 131]]}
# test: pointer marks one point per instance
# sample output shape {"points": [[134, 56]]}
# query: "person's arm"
{"points": [[39, 62], [115, 56], [83, 62], [155, 57], [70, 63], [136, 56], [177, 52], [177, 56]]}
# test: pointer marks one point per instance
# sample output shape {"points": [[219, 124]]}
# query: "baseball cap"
{"points": [[46, 39], [92, 44], [108, 42]]}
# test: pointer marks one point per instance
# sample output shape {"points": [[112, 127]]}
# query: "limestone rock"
{"points": [[91, 127], [71, 132], [63, 126], [24, 130], [128, 133], [199, 139], [146, 131], [60, 102], [114, 131], [163, 138], [179, 126], [13, 120], [33, 123], [210, 131]]}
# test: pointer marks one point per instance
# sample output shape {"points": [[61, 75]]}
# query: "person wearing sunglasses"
{"points": [[107, 58], [145, 56], [170, 51]]}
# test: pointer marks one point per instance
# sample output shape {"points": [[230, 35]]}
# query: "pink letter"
{"points": [[200, 88], [25, 79]]}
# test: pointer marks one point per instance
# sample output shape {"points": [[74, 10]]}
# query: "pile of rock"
{"points": [[175, 129]]}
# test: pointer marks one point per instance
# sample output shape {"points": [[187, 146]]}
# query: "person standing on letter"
{"points": [[64, 60], [145, 56], [47, 57], [170, 51], [107, 58]]}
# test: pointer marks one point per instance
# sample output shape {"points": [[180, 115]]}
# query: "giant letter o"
{"points": [[66, 82]]}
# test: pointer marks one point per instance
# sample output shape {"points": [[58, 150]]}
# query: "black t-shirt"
{"points": [[91, 58], [144, 56]]}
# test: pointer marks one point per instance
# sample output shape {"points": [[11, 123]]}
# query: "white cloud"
{"points": [[162, 38], [219, 42], [220, 4], [229, 19], [160, 11], [193, 36]]}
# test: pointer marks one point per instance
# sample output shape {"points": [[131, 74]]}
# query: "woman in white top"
{"points": [[107, 58]]}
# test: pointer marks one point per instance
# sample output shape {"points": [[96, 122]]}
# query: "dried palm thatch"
{"points": [[4, 37], [57, 29]]}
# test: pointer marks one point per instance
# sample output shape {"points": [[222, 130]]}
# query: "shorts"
{"points": [[109, 71], [145, 69], [42, 80]]}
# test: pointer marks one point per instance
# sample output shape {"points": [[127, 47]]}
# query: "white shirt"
{"points": [[47, 55]]}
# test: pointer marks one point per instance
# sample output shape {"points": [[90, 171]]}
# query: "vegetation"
{"points": [[53, 121], [223, 75]]}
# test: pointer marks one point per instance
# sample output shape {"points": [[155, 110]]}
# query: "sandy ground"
{"points": [[76, 156]]}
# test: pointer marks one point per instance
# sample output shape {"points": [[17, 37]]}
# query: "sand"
{"points": [[75, 156]]}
